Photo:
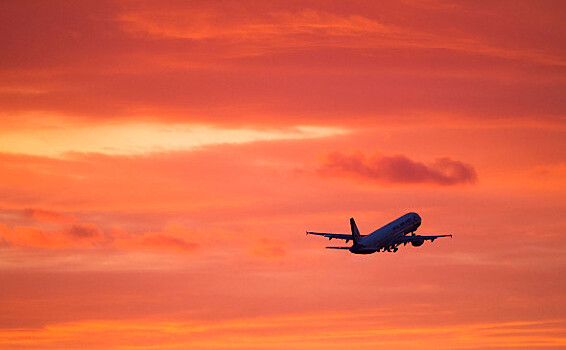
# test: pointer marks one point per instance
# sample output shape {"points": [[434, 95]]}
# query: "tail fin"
{"points": [[355, 232]]}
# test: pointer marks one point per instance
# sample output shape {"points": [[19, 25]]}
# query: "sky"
{"points": [[160, 163]]}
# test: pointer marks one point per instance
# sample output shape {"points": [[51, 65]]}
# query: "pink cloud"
{"points": [[85, 235], [268, 249], [84, 231], [66, 236], [277, 64], [49, 216], [398, 169], [156, 242]]}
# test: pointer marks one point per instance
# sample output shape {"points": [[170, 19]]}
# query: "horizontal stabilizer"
{"points": [[338, 247], [331, 235]]}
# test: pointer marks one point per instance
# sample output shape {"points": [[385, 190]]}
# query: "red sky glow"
{"points": [[161, 161]]}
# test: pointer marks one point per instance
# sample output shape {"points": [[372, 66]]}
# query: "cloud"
{"points": [[64, 236], [84, 231], [49, 216], [549, 176], [316, 330], [155, 242], [139, 138], [174, 238], [190, 24], [266, 64], [84, 234], [258, 30], [268, 249], [398, 169]]}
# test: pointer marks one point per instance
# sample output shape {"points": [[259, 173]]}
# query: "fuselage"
{"points": [[383, 237]]}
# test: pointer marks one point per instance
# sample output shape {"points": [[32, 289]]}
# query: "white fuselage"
{"points": [[382, 237]]}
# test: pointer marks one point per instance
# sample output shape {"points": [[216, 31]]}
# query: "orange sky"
{"points": [[160, 162]]}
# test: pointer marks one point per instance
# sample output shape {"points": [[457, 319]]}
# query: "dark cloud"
{"points": [[48, 216], [164, 242], [84, 231], [398, 169]]}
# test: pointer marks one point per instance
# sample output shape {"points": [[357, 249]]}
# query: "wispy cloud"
{"points": [[90, 235], [49, 216], [60, 138], [257, 31], [189, 24], [316, 331]]}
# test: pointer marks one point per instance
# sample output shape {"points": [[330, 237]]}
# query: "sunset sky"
{"points": [[160, 162]]}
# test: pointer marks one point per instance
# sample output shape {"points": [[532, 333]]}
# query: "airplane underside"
{"points": [[363, 250]]}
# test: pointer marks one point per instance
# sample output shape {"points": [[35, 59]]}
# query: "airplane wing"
{"points": [[416, 238], [331, 235]]}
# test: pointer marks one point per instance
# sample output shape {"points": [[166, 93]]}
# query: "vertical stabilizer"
{"points": [[355, 233]]}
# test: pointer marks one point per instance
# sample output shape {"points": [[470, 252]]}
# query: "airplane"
{"points": [[386, 238]]}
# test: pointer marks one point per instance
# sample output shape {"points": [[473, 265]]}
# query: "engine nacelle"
{"points": [[417, 243]]}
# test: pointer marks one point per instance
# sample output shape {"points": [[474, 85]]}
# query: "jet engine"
{"points": [[417, 243]]}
